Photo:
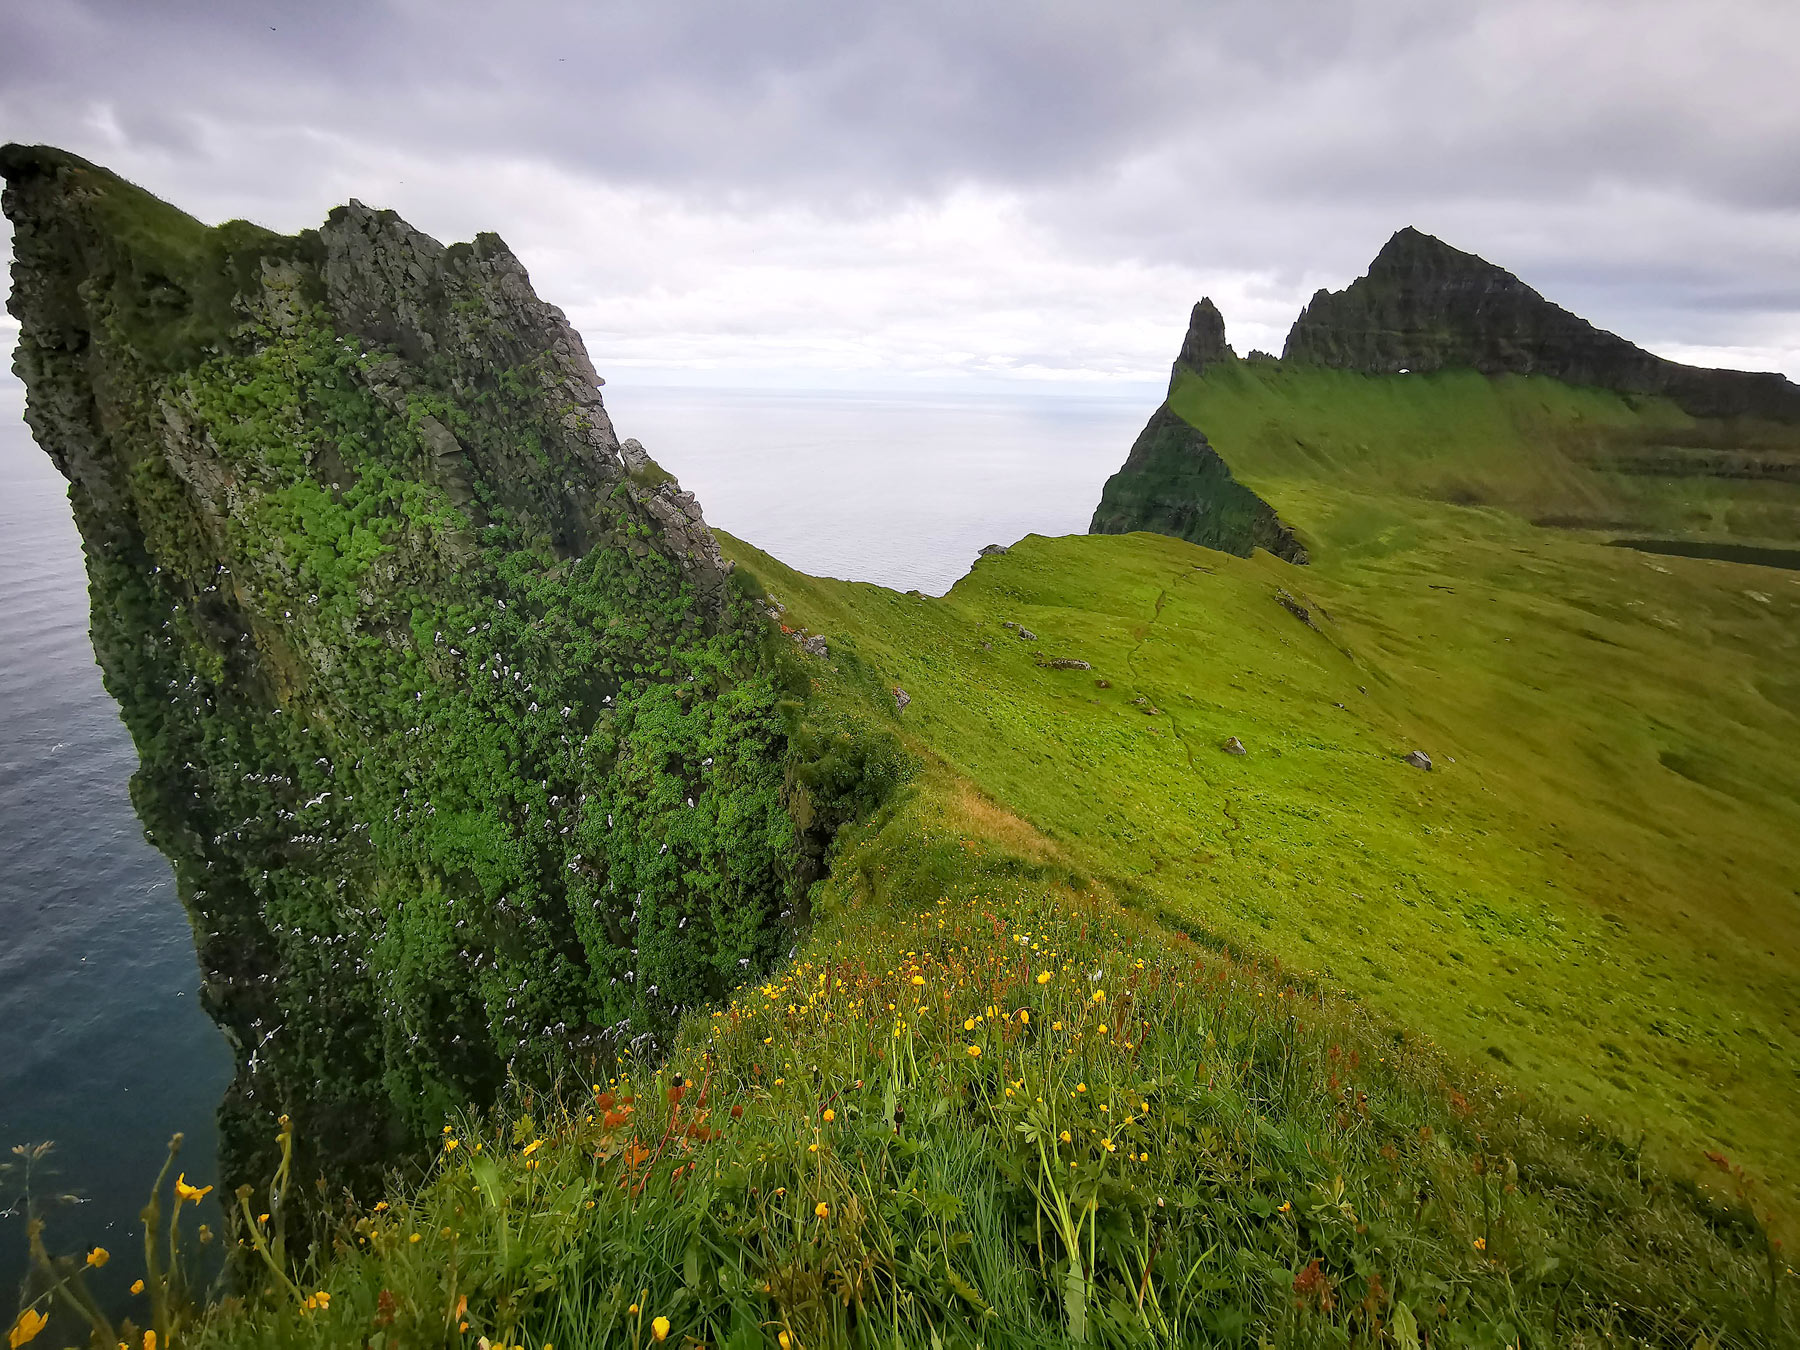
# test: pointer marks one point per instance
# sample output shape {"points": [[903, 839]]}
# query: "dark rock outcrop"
{"points": [[1173, 482], [1427, 306], [463, 746], [1204, 344]]}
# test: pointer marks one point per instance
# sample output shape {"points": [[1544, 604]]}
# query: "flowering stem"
{"points": [[74, 1294], [262, 1247], [152, 1218]]}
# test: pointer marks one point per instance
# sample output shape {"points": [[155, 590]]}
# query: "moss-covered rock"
{"points": [[461, 743]]}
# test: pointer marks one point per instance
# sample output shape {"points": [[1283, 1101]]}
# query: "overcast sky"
{"points": [[840, 192]]}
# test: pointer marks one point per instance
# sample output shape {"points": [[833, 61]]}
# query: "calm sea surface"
{"points": [[103, 1046]]}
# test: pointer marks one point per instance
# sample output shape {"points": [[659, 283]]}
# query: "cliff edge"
{"points": [[464, 746]]}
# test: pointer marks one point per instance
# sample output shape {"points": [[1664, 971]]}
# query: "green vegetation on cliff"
{"points": [[460, 738]]}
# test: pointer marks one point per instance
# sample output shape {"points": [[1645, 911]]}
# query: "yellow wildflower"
{"points": [[184, 1191], [1481, 1244], [822, 1210], [531, 1148], [974, 1052], [1099, 996], [1044, 977], [137, 1286], [918, 979], [968, 1024], [783, 1341], [98, 1257], [659, 1328], [830, 1115], [30, 1322]]}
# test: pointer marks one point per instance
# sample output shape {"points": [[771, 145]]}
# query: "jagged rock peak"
{"points": [[1425, 306], [1205, 342], [97, 259]]}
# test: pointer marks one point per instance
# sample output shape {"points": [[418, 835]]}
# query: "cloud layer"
{"points": [[804, 191]]}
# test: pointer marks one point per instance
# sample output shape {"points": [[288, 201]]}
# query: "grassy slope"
{"points": [[1537, 448], [1595, 887], [979, 1063], [1258, 1123]]}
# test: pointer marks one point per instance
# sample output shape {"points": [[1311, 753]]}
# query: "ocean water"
{"points": [[104, 1049], [103, 1046], [902, 490]]}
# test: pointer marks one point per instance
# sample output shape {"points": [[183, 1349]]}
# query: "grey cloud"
{"points": [[1640, 157]]}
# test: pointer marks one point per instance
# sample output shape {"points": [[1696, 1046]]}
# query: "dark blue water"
{"points": [[103, 1047]]}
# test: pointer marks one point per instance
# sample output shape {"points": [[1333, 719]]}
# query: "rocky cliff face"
{"points": [[1173, 482], [1426, 306], [463, 743]]}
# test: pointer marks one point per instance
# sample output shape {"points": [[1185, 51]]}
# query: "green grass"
{"points": [[1157, 1143], [1288, 1165], [1542, 450], [1591, 894]]}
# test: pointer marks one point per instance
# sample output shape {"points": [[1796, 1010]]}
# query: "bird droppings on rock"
{"points": [[1233, 746], [1419, 760]]}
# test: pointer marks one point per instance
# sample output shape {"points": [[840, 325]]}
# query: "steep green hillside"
{"points": [[1160, 989], [1593, 890], [1326, 447]]}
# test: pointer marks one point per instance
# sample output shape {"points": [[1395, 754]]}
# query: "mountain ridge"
{"points": [[1424, 305], [1642, 444]]}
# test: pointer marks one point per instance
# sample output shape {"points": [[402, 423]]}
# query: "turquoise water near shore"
{"points": [[103, 1045]]}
